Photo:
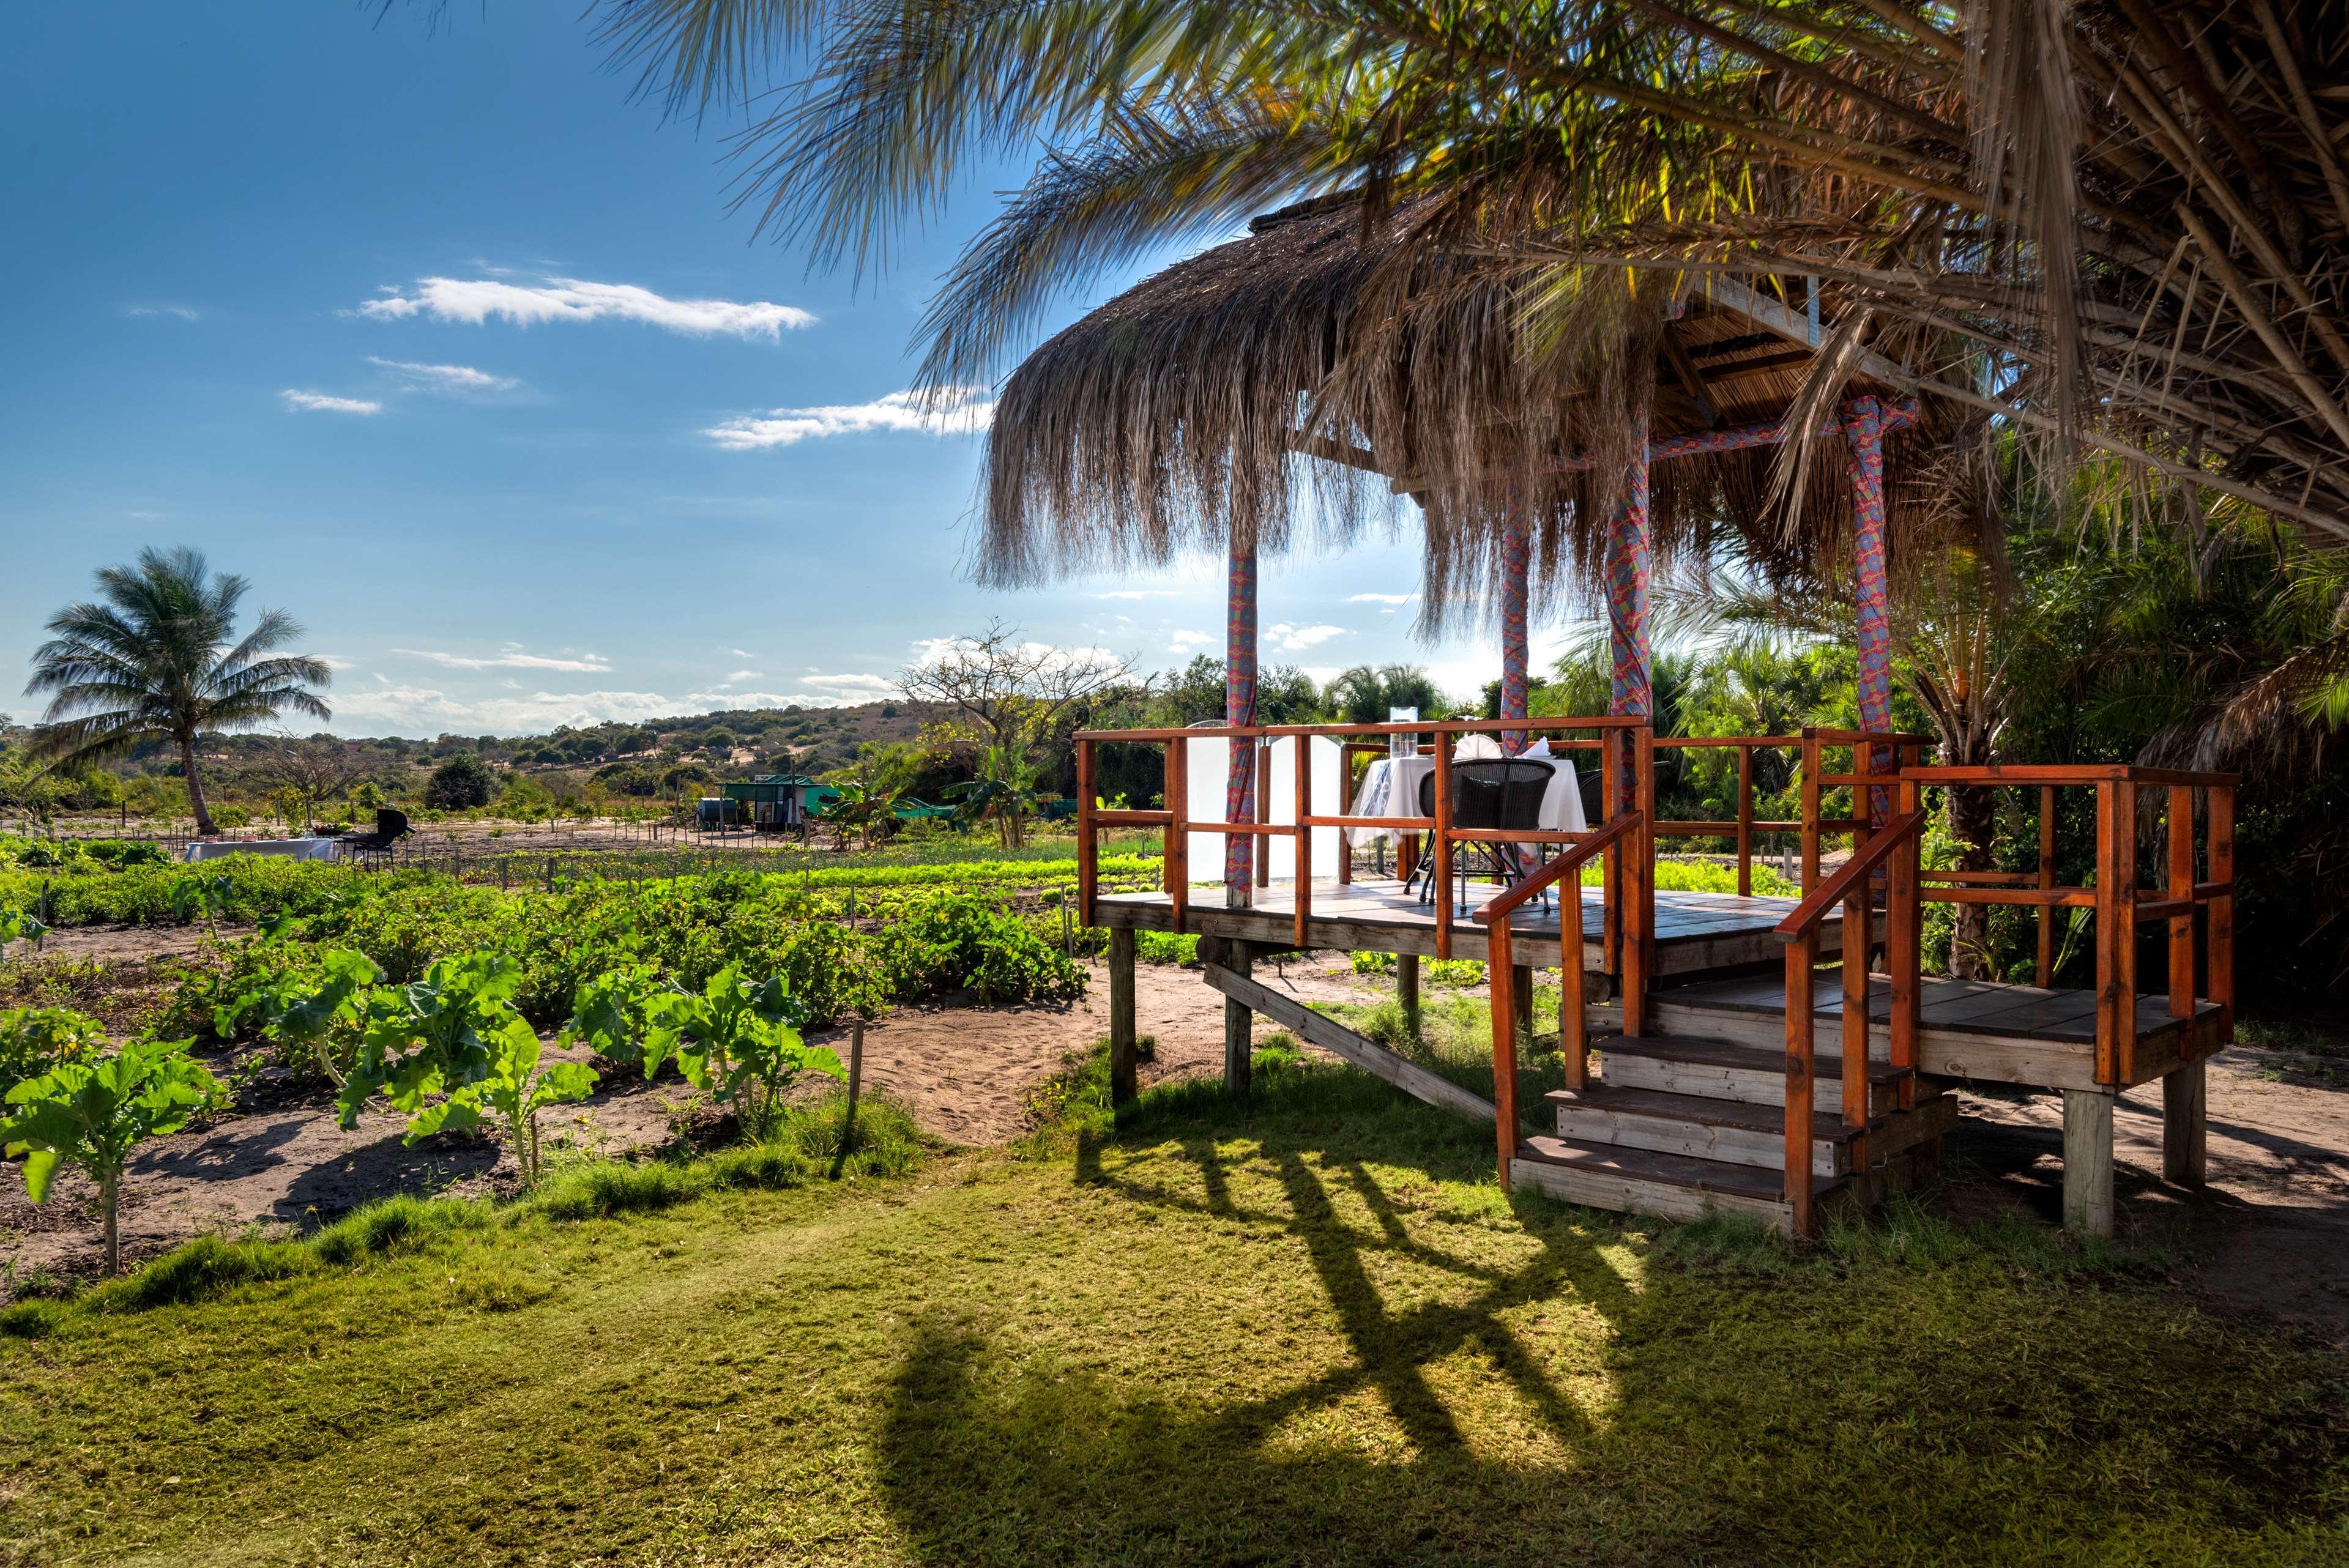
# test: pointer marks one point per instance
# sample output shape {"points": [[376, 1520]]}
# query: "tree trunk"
{"points": [[1973, 823], [204, 828]]}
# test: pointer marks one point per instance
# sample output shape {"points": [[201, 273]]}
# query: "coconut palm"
{"points": [[158, 659]]}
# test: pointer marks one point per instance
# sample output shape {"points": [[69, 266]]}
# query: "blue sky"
{"points": [[457, 354]]}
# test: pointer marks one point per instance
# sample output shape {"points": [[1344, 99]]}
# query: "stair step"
{"points": [[1725, 1069], [1733, 1131], [1643, 1181]]}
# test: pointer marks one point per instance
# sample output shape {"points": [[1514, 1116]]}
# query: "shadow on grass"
{"points": [[1909, 1391]]}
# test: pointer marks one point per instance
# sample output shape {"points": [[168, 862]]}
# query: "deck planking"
{"points": [[1693, 930]]}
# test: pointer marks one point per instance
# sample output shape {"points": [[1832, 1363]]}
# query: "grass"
{"points": [[1311, 1331]]}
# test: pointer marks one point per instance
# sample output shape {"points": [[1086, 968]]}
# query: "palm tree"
{"points": [[158, 660]]}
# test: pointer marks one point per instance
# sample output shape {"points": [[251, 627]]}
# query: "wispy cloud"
{"points": [[510, 658], [477, 300], [1390, 600], [1289, 639], [1142, 593], [334, 661], [853, 688], [951, 411], [177, 312], [446, 379], [734, 676], [1189, 642], [301, 402]]}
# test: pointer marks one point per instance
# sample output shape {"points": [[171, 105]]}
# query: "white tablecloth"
{"points": [[1391, 788], [299, 849]]}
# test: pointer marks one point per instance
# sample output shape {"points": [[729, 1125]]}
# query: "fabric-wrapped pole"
{"points": [[1239, 708]]}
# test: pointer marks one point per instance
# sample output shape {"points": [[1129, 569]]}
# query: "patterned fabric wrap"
{"points": [[1627, 560], [1517, 565], [1864, 422], [1239, 708]]}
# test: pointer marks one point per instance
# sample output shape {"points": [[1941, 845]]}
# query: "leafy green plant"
{"points": [[304, 1009], [91, 1114], [456, 1034], [35, 1039], [207, 894], [612, 1015], [737, 1042]]}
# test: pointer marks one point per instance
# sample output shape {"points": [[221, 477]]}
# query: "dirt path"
{"points": [[966, 1074]]}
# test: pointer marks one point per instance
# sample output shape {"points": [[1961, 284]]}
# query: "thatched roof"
{"points": [[1292, 385]]}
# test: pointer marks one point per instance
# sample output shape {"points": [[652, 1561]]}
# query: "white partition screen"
{"points": [[1208, 761]]}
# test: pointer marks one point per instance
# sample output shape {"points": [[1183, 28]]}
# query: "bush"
{"points": [[35, 1039], [461, 784]]}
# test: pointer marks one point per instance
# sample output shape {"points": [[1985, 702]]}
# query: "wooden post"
{"points": [[1502, 972], [1174, 858], [1441, 869], [1745, 821], [2116, 932], [2046, 974], [1302, 861], [1810, 810], [2186, 1124], [855, 1083], [1407, 990], [1521, 989], [1639, 886], [1264, 810], [1611, 796], [1904, 949], [2181, 885], [1122, 1046], [1239, 1025], [1857, 918], [1088, 850], [1573, 1032], [2222, 918], [2088, 1162], [1802, 958]]}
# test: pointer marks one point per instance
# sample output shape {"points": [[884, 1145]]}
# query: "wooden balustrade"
{"points": [[1894, 853], [1500, 973], [2183, 902]]}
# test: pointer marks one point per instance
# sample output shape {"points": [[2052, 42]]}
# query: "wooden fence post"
{"points": [[1121, 1040]]}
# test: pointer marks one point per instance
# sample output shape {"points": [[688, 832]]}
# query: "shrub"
{"points": [[461, 784], [35, 1039]]}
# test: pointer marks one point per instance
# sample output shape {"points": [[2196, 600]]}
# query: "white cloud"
{"points": [[1289, 639], [745, 676], [853, 688], [179, 311], [510, 658], [1189, 642], [1393, 602], [477, 300], [334, 661], [1141, 593], [448, 379], [301, 402], [952, 411], [742, 653]]}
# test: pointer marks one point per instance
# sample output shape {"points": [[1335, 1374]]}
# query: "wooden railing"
{"points": [[1627, 774], [1893, 851], [2184, 900], [1500, 971]]}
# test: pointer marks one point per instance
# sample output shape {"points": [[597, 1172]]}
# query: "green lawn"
{"points": [[1320, 1335]]}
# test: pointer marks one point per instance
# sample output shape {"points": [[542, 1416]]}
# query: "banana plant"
{"points": [[91, 1114], [737, 1042]]}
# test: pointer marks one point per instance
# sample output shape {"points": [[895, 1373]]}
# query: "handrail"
{"points": [[1837, 887], [1500, 974], [1586, 849], [1896, 851]]}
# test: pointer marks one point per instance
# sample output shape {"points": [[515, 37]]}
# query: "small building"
{"points": [[777, 802]]}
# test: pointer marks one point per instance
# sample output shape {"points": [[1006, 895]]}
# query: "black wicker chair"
{"points": [[390, 826], [1503, 792]]}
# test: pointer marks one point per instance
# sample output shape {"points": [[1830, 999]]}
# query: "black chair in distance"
{"points": [[1498, 793], [390, 826]]}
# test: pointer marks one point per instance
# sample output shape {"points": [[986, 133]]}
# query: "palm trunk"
{"points": [[204, 828]]}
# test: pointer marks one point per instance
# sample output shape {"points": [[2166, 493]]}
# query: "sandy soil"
{"points": [[117, 942], [965, 1072], [2268, 1237]]}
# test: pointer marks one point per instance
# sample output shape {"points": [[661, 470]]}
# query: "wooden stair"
{"points": [[1677, 1125]]}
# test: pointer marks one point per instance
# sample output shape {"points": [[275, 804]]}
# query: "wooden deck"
{"points": [[1971, 1028], [1694, 931]]}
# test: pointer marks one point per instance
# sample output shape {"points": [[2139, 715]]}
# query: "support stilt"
{"points": [[1521, 1001], [2186, 1125], [2088, 1162], [1239, 1039], [1407, 990], [1122, 1042]]}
